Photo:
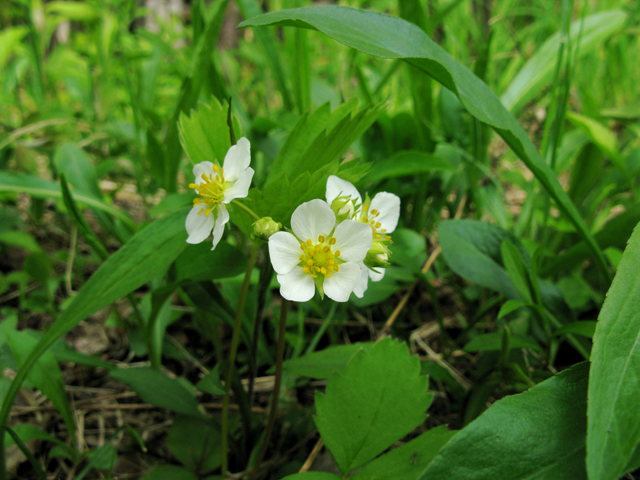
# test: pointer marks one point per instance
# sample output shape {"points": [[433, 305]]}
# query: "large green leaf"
{"points": [[390, 37], [614, 380], [147, 254], [536, 435], [380, 398], [539, 69]]}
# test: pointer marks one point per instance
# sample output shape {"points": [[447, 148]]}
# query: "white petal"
{"points": [[198, 226], [388, 205], [222, 217], [353, 239], [363, 281], [312, 219], [296, 286], [240, 189], [284, 251], [336, 187], [200, 168], [237, 160], [375, 276], [341, 284]]}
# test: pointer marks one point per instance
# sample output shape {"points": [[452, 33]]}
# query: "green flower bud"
{"points": [[343, 207], [378, 255], [265, 227]]}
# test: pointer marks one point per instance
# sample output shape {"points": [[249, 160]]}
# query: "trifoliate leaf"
{"points": [[380, 398]]}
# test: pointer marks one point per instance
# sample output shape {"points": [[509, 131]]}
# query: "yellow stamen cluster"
{"points": [[319, 257], [370, 218], [210, 190]]}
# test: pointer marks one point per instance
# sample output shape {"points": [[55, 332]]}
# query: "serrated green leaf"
{"points": [[204, 134], [614, 383], [380, 398], [323, 363], [158, 389], [319, 138], [390, 37], [535, 435], [407, 461]]}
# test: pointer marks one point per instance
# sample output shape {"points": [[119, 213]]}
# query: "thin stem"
{"points": [[224, 425], [273, 412], [246, 209]]}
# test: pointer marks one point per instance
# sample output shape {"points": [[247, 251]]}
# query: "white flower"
{"points": [[381, 214], [216, 187], [319, 254]]}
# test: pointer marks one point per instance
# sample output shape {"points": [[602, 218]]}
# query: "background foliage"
{"points": [[513, 143]]}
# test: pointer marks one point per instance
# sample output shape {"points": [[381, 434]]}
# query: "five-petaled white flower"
{"points": [[216, 187], [381, 214], [319, 253]]}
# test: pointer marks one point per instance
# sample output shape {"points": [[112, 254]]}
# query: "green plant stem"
{"points": [[224, 425], [273, 412], [253, 214]]}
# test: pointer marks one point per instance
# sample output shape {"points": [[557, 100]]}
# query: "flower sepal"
{"points": [[265, 227], [377, 260], [319, 281]]}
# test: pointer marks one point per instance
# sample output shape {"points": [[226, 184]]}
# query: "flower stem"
{"points": [[224, 426], [246, 209], [273, 412]]}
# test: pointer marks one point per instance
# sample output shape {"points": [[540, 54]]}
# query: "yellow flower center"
{"points": [[319, 258], [210, 190], [370, 218]]}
